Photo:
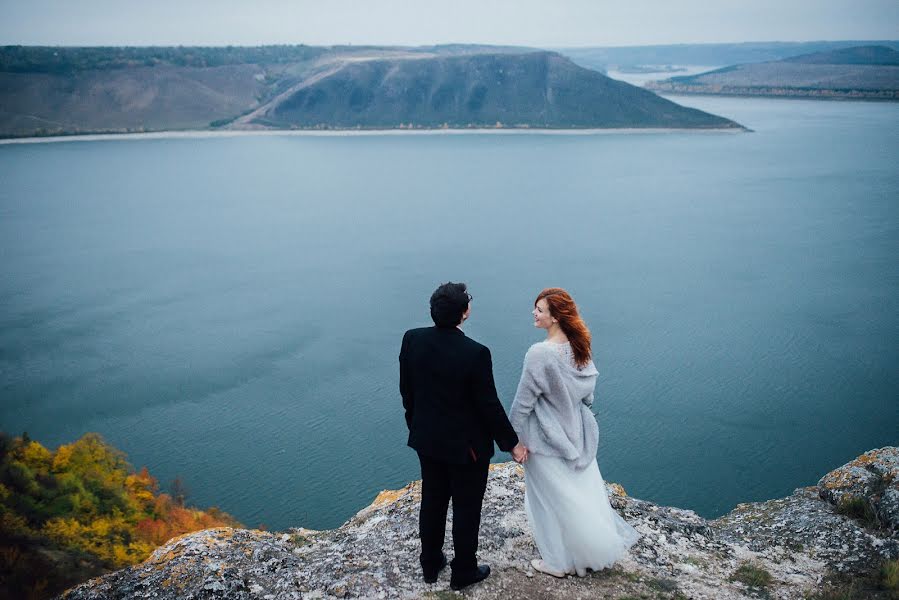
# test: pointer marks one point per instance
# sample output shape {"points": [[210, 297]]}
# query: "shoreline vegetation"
{"points": [[669, 89], [80, 511], [349, 132]]}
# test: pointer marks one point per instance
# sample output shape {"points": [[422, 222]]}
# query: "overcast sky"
{"points": [[415, 22]]}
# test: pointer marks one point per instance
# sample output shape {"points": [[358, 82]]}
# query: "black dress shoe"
{"points": [[431, 576], [479, 574]]}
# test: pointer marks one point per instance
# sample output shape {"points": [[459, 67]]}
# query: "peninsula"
{"points": [[63, 91]]}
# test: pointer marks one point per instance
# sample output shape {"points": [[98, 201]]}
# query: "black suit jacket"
{"points": [[452, 409]]}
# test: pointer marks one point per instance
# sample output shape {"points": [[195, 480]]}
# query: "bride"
{"points": [[573, 524]]}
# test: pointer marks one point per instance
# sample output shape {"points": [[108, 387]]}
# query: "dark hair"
{"points": [[562, 307], [448, 303]]}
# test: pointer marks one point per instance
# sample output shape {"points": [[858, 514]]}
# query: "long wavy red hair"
{"points": [[562, 308]]}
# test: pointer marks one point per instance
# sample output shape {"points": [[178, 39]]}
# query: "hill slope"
{"points": [[863, 72], [52, 91], [858, 55], [628, 57], [537, 89]]}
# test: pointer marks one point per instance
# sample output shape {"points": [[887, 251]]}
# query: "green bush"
{"points": [[889, 577], [858, 508], [752, 575]]}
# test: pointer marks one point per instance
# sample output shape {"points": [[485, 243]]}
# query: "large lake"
{"points": [[230, 309]]}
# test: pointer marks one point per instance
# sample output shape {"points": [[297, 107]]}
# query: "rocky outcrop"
{"points": [[870, 483], [784, 548]]}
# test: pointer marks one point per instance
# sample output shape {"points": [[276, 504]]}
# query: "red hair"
{"points": [[562, 308]]}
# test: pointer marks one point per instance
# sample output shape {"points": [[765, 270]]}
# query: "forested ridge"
{"points": [[66, 60], [81, 510]]}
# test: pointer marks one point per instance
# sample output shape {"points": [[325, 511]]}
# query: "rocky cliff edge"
{"points": [[812, 544]]}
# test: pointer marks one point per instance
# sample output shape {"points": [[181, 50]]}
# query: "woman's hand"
{"points": [[520, 453]]}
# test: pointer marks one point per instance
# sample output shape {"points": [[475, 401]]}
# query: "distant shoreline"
{"points": [[199, 133], [776, 93]]}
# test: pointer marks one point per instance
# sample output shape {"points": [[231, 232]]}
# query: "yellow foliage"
{"points": [[62, 457], [122, 555], [142, 549], [141, 487], [98, 461], [107, 538], [36, 456], [100, 527], [113, 513], [63, 530]]}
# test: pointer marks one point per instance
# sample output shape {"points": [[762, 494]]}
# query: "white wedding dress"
{"points": [[573, 524]]}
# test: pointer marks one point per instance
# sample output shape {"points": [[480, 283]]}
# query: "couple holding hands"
{"points": [[454, 416]]}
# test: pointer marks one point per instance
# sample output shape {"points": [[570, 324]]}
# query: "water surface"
{"points": [[230, 309]]}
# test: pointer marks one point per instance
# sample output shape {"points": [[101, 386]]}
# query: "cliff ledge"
{"points": [[839, 531]]}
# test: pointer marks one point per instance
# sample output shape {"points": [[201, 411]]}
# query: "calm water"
{"points": [[230, 310]]}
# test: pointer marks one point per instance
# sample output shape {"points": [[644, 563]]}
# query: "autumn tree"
{"points": [[85, 498]]}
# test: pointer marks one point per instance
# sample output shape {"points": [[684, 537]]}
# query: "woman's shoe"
{"points": [[541, 566]]}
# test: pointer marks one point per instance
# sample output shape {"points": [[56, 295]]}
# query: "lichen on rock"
{"points": [[872, 480], [792, 544]]}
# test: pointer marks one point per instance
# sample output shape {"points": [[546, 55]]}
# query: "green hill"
{"points": [[858, 55], [536, 89], [637, 57], [58, 91], [862, 72]]}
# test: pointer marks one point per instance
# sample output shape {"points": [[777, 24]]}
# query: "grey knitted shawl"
{"points": [[551, 411]]}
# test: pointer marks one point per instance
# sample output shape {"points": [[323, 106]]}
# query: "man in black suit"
{"points": [[454, 416]]}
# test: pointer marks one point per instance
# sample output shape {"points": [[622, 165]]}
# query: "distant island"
{"points": [[861, 72], [64, 91]]}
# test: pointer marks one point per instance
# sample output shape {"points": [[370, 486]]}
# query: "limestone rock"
{"points": [[872, 479], [799, 540]]}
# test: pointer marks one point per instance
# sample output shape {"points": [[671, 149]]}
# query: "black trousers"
{"points": [[466, 485]]}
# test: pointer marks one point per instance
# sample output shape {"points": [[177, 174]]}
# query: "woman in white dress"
{"points": [[573, 524]]}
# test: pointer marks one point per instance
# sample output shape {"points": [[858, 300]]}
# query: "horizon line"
{"points": [[396, 45]]}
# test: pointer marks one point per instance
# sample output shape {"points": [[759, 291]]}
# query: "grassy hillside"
{"points": [[865, 72], [623, 57], [127, 99], [59, 91], [536, 89], [858, 55]]}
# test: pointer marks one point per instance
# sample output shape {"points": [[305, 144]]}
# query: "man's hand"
{"points": [[520, 453]]}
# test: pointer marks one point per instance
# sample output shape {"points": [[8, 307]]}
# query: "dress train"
{"points": [[573, 523]]}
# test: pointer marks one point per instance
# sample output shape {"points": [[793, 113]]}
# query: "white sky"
{"points": [[418, 22]]}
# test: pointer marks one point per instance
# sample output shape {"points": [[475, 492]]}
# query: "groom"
{"points": [[454, 415]]}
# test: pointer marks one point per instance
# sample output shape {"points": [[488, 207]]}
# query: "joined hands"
{"points": [[520, 453]]}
